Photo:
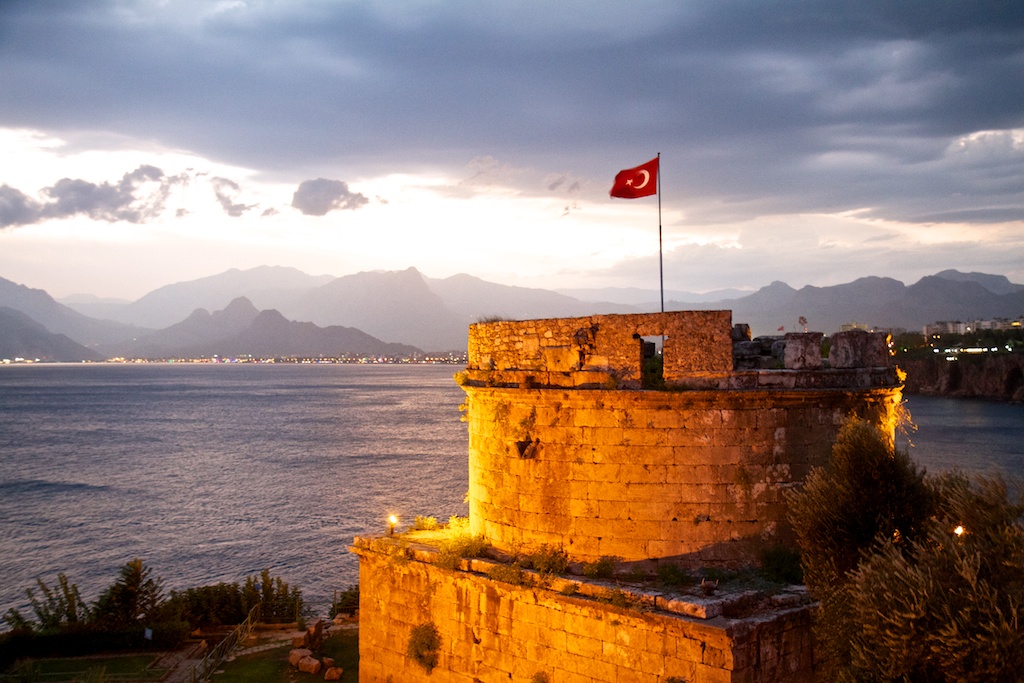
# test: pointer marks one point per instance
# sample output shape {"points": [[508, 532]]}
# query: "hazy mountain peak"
{"points": [[997, 284]]}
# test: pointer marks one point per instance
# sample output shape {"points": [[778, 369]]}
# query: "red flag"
{"points": [[641, 181]]}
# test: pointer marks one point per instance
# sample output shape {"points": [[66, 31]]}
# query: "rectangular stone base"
{"points": [[491, 631]]}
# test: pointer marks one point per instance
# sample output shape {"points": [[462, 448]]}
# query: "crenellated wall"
{"points": [[600, 350]]}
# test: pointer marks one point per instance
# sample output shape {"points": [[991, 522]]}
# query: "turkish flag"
{"points": [[641, 181]]}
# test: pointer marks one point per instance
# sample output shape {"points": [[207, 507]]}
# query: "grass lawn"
{"points": [[272, 665], [89, 668]]}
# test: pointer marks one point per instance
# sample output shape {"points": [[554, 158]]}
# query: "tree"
{"points": [[59, 608], [950, 606], [869, 491], [134, 598], [919, 579]]}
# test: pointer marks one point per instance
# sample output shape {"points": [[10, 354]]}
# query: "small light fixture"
{"points": [[392, 523], [959, 530]]}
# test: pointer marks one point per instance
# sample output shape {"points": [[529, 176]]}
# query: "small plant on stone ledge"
{"points": [[424, 645], [425, 523], [540, 677], [509, 573], [674, 576], [602, 568], [460, 543], [782, 564], [549, 560]]}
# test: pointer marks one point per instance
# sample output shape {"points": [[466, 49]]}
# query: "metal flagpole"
{"points": [[661, 271]]}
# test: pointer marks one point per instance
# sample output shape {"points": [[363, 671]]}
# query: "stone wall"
{"points": [[698, 477], [593, 350], [493, 632]]}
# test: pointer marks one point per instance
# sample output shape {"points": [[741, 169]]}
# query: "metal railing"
{"points": [[202, 671]]}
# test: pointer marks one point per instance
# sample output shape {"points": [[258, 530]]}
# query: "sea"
{"points": [[213, 472]]}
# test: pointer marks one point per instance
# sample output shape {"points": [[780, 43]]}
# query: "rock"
{"points": [[309, 665], [328, 662], [300, 641], [297, 654], [859, 349], [333, 673], [803, 350]]}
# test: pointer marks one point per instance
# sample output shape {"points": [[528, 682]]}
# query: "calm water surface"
{"points": [[212, 472]]}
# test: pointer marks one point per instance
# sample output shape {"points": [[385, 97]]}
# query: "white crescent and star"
{"points": [[647, 178]]}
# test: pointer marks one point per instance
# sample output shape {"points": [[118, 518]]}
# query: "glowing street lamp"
{"points": [[392, 523], [959, 530]]}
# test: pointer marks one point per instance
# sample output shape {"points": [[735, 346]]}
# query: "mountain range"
{"points": [[277, 311]]}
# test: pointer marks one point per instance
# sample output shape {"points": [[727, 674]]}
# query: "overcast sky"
{"points": [[151, 142]]}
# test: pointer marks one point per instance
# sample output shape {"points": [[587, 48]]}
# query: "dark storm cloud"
{"points": [[137, 197], [317, 197], [757, 107]]}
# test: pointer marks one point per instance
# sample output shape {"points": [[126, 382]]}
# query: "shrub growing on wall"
{"points": [[424, 645]]}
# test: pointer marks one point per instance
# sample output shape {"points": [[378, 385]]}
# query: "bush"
{"points": [[424, 645], [425, 523], [459, 543], [347, 601], [948, 607], [549, 560], [937, 594], [782, 565], [674, 576], [509, 573], [869, 491], [602, 568]]}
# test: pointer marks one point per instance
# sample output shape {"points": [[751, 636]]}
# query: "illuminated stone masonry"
{"points": [[569, 450]]}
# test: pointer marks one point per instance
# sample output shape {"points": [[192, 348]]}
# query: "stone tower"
{"points": [[572, 447]]}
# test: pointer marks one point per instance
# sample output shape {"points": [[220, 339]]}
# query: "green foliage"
{"points": [[868, 491], [540, 677], [59, 608], [915, 600], [674, 576], [424, 645], [222, 603], [781, 564], [602, 568], [347, 601], [617, 597], [131, 600], [509, 573], [549, 560], [459, 543], [425, 523], [653, 372], [947, 607], [279, 602]]}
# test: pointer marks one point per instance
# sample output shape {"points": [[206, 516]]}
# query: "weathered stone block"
{"points": [[859, 349]]}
